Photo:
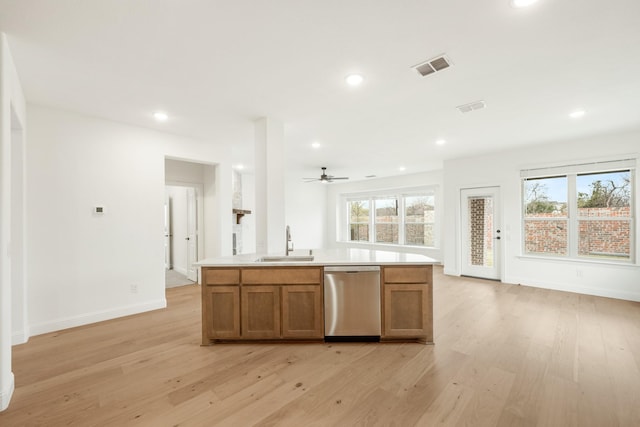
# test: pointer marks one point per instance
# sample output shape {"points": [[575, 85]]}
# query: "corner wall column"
{"points": [[6, 375], [269, 186]]}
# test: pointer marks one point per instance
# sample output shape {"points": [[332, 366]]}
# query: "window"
{"points": [[546, 220], [579, 214], [419, 215], [604, 214], [386, 224], [396, 219], [359, 220]]}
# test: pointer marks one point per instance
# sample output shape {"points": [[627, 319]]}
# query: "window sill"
{"points": [[579, 260], [390, 246]]}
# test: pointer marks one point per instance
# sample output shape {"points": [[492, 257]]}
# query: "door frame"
{"points": [[199, 189], [495, 191]]}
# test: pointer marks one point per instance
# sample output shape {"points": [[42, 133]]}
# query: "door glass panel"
{"points": [[480, 231]]}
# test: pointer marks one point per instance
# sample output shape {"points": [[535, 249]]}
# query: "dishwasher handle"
{"points": [[351, 268]]}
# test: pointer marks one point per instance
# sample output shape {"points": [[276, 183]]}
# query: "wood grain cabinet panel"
{"points": [[407, 310], [302, 311], [260, 312], [416, 274], [221, 316], [407, 302], [221, 276], [282, 276]]}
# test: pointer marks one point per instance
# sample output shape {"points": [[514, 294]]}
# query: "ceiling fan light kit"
{"points": [[324, 178]]}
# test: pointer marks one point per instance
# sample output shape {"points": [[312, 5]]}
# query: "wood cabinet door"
{"points": [[407, 310], [302, 311], [261, 312], [221, 315]]}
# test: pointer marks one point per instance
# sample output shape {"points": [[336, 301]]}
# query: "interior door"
{"points": [[192, 234], [167, 232], [481, 232]]}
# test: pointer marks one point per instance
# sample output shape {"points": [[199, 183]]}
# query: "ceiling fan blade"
{"points": [[324, 177]]}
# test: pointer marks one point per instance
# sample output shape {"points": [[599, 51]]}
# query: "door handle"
{"points": [[186, 238]]}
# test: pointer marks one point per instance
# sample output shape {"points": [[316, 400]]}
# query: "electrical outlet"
{"points": [[134, 288], [579, 273]]}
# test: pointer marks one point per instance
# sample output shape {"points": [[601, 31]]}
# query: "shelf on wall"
{"points": [[240, 213]]}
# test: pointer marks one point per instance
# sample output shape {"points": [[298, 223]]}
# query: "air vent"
{"points": [[467, 108], [432, 65]]}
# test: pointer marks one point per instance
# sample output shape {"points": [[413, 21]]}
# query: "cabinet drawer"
{"points": [[221, 276], [281, 276], [414, 274]]}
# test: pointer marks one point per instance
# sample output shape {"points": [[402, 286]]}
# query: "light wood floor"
{"points": [[504, 355]]}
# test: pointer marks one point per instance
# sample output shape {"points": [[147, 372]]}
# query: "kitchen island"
{"points": [[253, 297]]}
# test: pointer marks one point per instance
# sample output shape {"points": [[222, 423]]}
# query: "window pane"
{"points": [[605, 238], [386, 220], [545, 197], [419, 234], [545, 237], [418, 209], [359, 211], [605, 194], [359, 232], [419, 218], [359, 220]]}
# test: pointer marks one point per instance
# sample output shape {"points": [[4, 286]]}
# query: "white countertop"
{"points": [[323, 257]]}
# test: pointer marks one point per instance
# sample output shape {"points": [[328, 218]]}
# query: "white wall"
{"points": [[335, 190], [306, 213], [183, 171], [503, 170], [12, 207], [83, 267]]}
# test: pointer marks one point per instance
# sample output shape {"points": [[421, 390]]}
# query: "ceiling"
{"points": [[216, 66]]}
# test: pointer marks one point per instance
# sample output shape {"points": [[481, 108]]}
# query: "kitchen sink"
{"points": [[283, 258]]}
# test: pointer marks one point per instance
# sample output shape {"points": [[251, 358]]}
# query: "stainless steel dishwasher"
{"points": [[352, 303]]}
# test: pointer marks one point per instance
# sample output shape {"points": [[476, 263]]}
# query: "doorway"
{"points": [[481, 232], [183, 204]]}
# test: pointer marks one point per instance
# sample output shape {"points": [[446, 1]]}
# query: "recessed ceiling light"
{"points": [[522, 3], [240, 167], [160, 116], [441, 142], [576, 114], [315, 145], [354, 79], [402, 168]]}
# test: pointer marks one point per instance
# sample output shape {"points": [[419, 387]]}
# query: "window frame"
{"points": [[399, 195], [573, 218]]}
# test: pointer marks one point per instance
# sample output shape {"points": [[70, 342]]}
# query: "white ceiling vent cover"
{"points": [[467, 108], [432, 65]]}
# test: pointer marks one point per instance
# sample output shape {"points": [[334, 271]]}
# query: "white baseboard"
{"points": [[180, 270], [607, 293], [19, 337], [97, 316], [450, 271], [5, 394]]}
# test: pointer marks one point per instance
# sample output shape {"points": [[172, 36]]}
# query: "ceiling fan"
{"points": [[325, 178]]}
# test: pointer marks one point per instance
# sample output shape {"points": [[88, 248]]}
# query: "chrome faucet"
{"points": [[288, 249]]}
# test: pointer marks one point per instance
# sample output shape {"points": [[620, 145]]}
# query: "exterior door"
{"points": [[192, 234], [481, 232]]}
